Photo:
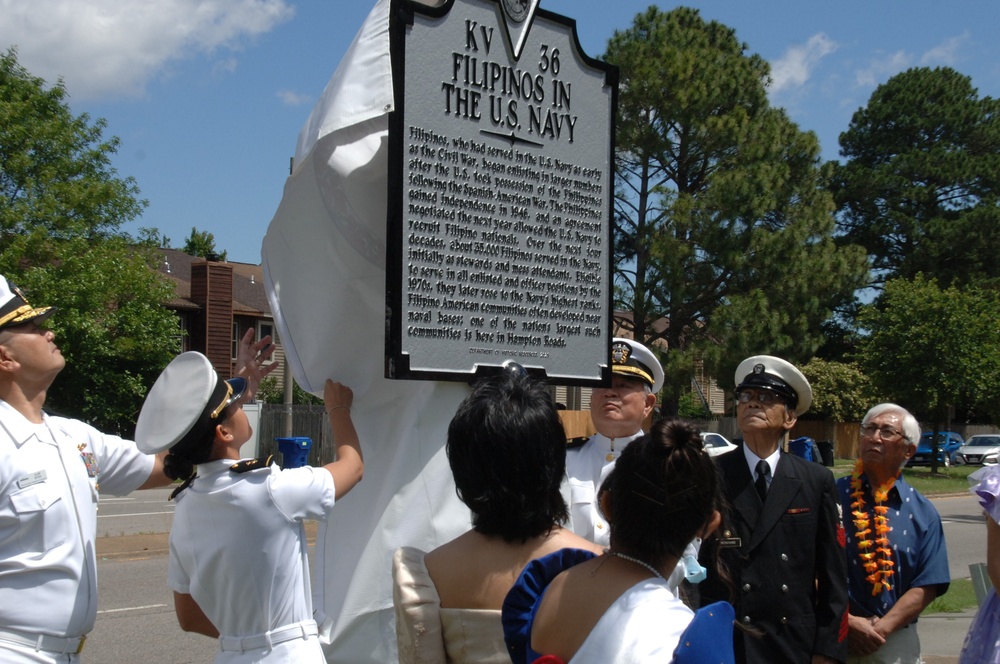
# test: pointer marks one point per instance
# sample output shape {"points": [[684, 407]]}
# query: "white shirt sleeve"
{"points": [[303, 493]]}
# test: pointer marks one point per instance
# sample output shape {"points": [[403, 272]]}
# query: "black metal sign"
{"points": [[500, 194]]}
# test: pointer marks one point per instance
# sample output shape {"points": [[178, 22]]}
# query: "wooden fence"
{"points": [[276, 420]]}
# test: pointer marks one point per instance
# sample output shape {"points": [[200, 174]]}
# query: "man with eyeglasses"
{"points": [[897, 561], [52, 472], [779, 538]]}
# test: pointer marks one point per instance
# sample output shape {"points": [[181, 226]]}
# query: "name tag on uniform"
{"points": [[33, 478], [727, 541]]}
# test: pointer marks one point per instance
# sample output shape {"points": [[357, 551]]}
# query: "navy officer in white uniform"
{"points": [[617, 412], [238, 556], [52, 471]]}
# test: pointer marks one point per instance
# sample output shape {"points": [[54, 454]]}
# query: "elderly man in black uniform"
{"points": [[781, 538]]}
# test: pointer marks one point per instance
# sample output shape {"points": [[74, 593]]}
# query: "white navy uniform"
{"points": [[238, 547], [587, 467], [50, 476]]}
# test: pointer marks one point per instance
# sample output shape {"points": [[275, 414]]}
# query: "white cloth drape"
{"points": [[324, 268]]}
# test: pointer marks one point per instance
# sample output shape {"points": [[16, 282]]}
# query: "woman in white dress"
{"points": [[617, 607], [507, 451]]}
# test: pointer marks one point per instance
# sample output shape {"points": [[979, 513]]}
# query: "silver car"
{"points": [[981, 449]]}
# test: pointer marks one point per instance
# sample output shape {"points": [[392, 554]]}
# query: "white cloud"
{"points": [[882, 69], [945, 53], [290, 98], [794, 68], [107, 48]]}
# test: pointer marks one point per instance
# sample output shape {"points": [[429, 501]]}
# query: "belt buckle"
{"points": [[79, 648]]}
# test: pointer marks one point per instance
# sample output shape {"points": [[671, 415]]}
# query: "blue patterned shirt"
{"points": [[918, 547]]}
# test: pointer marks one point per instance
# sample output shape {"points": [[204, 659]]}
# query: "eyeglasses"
{"points": [[886, 432], [764, 397]]}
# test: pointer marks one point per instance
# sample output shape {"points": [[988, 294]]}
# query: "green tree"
{"points": [[61, 207], [152, 237], [270, 392], [56, 179], [202, 243], [841, 392], [930, 348], [723, 221], [920, 185]]}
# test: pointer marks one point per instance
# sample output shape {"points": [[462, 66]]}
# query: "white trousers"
{"points": [[11, 653]]}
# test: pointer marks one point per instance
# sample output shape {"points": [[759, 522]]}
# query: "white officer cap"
{"points": [[778, 375], [184, 404], [631, 358], [14, 307]]}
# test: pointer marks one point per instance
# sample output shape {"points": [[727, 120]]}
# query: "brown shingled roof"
{"points": [[249, 297]]}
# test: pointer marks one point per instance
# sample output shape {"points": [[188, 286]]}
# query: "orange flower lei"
{"points": [[875, 556]]}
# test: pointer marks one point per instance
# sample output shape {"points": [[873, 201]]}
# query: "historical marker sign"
{"points": [[501, 187]]}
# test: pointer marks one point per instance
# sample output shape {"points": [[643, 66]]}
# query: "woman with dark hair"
{"points": [[617, 607], [238, 562], [507, 452]]}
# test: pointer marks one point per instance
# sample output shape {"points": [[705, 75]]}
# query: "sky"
{"points": [[208, 96]]}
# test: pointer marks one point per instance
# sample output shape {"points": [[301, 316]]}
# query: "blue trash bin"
{"points": [[294, 451], [802, 447]]}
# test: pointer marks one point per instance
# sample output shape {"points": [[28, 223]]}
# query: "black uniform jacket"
{"points": [[786, 559]]}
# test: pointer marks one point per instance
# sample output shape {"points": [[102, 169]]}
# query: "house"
{"points": [[216, 303]]}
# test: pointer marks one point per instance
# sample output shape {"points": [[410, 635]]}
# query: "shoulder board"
{"points": [[251, 464], [574, 443]]}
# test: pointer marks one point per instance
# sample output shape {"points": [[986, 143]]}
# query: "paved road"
{"points": [[136, 607], [139, 513]]}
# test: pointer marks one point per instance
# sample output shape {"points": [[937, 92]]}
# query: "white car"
{"points": [[716, 443], [981, 449]]}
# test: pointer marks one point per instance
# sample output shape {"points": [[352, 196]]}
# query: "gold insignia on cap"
{"points": [[620, 352], [21, 311], [222, 405]]}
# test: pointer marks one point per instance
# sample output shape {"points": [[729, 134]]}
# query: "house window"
{"points": [[236, 340], [182, 339], [265, 328]]}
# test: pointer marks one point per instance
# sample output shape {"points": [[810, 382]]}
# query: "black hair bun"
{"points": [[177, 468]]}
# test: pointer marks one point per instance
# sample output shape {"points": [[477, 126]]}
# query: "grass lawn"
{"points": [[946, 480], [960, 597]]}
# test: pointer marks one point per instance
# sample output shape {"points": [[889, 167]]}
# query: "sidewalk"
{"points": [[942, 636]]}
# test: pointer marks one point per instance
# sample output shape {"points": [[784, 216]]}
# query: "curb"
{"points": [[147, 545], [132, 546]]}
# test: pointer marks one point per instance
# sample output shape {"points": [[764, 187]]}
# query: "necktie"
{"points": [[763, 470]]}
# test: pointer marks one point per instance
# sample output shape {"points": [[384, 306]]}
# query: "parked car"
{"points": [[981, 449], [716, 443], [948, 444]]}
